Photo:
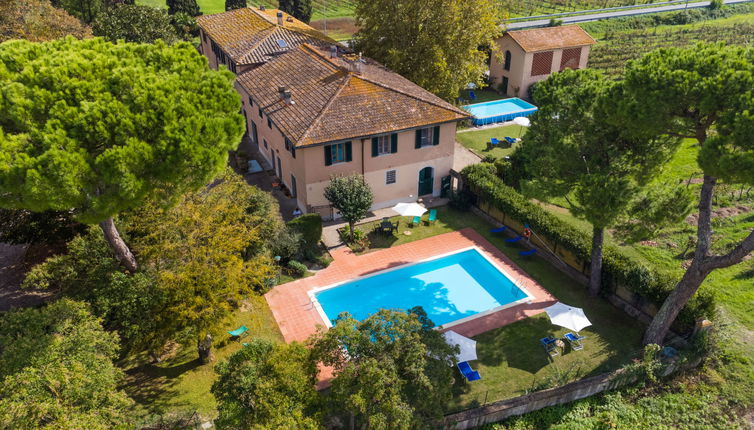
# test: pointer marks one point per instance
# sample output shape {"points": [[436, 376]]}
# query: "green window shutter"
{"points": [[436, 136], [394, 143], [375, 149], [348, 151], [328, 155], [418, 139], [293, 150]]}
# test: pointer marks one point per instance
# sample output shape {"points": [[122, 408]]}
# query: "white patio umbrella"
{"points": [[567, 316], [467, 346], [409, 209], [521, 121]]}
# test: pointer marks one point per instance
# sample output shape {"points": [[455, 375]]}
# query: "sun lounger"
{"points": [[527, 253], [575, 341], [416, 221], [514, 239], [240, 331], [499, 229], [510, 140], [472, 95], [494, 142], [470, 374], [432, 216], [549, 345]]}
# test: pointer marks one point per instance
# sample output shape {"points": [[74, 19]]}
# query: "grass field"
{"points": [[478, 140]]}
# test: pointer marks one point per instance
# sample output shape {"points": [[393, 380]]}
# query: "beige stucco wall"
{"points": [[407, 162], [518, 66], [205, 48], [519, 77]]}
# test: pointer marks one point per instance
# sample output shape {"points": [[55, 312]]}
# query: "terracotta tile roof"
{"points": [[332, 102], [250, 35], [548, 38]]}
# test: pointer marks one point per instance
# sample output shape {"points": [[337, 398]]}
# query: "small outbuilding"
{"points": [[528, 56]]}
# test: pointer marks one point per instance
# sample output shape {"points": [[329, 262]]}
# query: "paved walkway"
{"points": [[615, 14], [463, 157], [298, 319], [265, 179]]}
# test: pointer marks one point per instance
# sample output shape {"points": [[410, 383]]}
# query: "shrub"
{"points": [[310, 228], [298, 268], [287, 245], [461, 200], [618, 268]]}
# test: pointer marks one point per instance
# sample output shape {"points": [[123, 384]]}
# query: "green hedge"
{"points": [[309, 226], [618, 268]]}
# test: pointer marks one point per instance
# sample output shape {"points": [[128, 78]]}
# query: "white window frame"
{"points": [[383, 145], [427, 135]]}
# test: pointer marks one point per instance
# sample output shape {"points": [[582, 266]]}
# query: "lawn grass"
{"points": [[478, 140], [511, 360], [483, 95], [182, 383]]}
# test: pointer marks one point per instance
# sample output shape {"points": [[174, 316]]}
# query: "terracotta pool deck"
{"points": [[298, 318]]}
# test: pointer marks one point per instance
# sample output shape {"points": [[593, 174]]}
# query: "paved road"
{"points": [[616, 14]]}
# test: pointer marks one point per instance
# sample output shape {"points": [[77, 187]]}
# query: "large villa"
{"points": [[314, 109]]}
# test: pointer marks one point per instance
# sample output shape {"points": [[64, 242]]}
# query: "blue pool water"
{"points": [[448, 288], [499, 110]]}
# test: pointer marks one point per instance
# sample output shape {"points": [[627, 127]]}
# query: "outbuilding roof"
{"points": [[549, 38], [340, 98], [251, 35]]}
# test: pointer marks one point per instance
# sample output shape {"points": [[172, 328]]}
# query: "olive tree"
{"points": [[350, 195]]}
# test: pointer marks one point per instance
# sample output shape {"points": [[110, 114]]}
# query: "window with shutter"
{"points": [[381, 145], [427, 136], [337, 153]]}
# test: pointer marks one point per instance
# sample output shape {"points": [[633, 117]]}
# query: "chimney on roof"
{"points": [[333, 51], [358, 64], [280, 18], [285, 95]]}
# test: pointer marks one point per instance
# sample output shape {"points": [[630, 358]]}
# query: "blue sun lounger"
{"points": [[549, 345], [494, 142], [416, 221], [510, 140], [527, 253], [470, 374], [574, 340], [514, 239], [499, 229], [240, 331]]}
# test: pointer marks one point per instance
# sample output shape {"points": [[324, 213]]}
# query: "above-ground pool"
{"points": [[451, 289], [499, 110]]}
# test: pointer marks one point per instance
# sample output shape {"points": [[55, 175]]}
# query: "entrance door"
{"points": [[425, 181], [504, 86]]}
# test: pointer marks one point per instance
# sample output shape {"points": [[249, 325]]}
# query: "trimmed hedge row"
{"points": [[618, 268]]}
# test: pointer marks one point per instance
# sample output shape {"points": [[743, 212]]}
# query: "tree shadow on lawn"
{"points": [[517, 344], [147, 383]]}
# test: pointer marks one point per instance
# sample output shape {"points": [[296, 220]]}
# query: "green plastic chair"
{"points": [[240, 331], [416, 221], [432, 216]]}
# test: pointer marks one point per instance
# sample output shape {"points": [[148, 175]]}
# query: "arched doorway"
{"points": [[426, 179]]}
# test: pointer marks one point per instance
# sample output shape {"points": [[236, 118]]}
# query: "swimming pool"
{"points": [[499, 110], [451, 288]]}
